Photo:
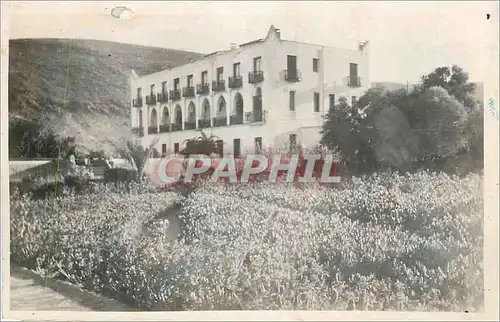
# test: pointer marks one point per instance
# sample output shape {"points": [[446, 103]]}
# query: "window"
{"points": [[256, 64], [236, 69], [291, 64], [315, 64], [204, 76], [291, 100], [152, 89], [164, 87], [293, 141], [220, 74], [176, 83], [163, 149], [258, 144], [139, 92], [176, 148], [190, 81], [332, 100], [236, 147], [353, 70], [353, 100], [316, 102], [219, 145]]}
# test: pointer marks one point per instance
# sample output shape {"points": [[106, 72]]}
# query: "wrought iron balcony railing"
{"points": [[255, 76], [137, 102], [139, 131], [353, 81], [190, 125], [236, 119], [292, 75], [220, 121], [218, 86], [175, 95], [164, 128], [176, 127], [235, 82], [188, 92], [162, 97], [256, 116], [202, 88], [203, 123], [151, 99], [152, 129]]}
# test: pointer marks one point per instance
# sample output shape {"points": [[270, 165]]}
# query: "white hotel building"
{"points": [[269, 92]]}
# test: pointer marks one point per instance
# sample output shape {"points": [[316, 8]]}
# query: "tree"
{"points": [[137, 155], [440, 124], [455, 81], [342, 131], [34, 139]]}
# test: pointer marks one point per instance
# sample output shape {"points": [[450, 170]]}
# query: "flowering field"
{"points": [[386, 242]]}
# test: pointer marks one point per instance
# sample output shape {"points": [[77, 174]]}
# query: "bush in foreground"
{"points": [[385, 242]]}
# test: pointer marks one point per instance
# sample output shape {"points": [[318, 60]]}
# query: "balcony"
{"points": [[292, 75], [139, 131], [353, 81], [188, 92], [151, 99], [218, 86], [176, 127], [190, 125], [162, 97], [256, 116], [164, 128], [235, 82], [255, 77], [220, 121], [202, 88], [236, 119], [137, 102], [175, 95], [203, 123], [152, 129]]}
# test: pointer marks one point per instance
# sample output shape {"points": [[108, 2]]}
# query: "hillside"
{"points": [[93, 104]]}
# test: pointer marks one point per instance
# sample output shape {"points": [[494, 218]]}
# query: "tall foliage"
{"points": [[137, 155], [401, 129], [34, 139], [202, 144]]}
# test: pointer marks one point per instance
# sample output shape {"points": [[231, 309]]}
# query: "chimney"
{"points": [[278, 33], [362, 45], [234, 46]]}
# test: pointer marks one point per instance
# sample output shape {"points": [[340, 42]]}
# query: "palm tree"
{"points": [[137, 155], [202, 144]]}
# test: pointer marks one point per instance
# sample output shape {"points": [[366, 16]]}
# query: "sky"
{"points": [[407, 39]]}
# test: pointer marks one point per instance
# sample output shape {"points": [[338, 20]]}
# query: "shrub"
{"points": [[380, 242], [120, 175]]}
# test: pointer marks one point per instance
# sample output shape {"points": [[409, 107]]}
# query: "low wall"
{"points": [[24, 169]]}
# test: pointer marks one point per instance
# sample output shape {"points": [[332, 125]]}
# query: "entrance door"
{"points": [[236, 147], [291, 65]]}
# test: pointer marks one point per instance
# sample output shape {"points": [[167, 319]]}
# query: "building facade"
{"points": [[269, 93]]}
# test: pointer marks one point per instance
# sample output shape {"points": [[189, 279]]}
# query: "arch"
{"points": [[153, 118], [205, 112], [221, 107], [257, 114], [191, 113], [238, 104], [166, 116], [140, 118], [178, 114]]}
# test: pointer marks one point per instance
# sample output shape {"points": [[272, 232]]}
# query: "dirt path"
{"points": [[29, 291]]}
